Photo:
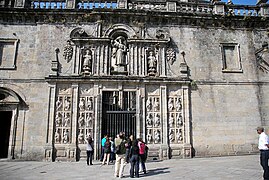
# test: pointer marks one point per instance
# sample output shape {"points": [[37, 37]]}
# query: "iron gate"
{"points": [[119, 113]]}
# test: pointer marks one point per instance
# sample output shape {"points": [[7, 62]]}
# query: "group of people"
{"points": [[123, 150]]}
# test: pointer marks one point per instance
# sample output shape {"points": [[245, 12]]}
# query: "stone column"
{"points": [[219, 8], [163, 108]]}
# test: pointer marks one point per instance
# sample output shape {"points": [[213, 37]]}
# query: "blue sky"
{"points": [[243, 2]]}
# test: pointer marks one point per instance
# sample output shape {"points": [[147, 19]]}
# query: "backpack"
{"points": [[142, 148], [120, 149]]}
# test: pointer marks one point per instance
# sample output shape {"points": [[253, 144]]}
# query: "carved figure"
{"points": [[157, 120], [179, 136], [58, 119], [81, 120], [152, 63], [89, 103], [156, 104], [171, 120], [68, 51], [149, 136], [170, 104], [82, 104], [178, 104], [149, 120], [179, 120], [157, 136], [67, 119], [81, 137], [67, 104], [171, 135], [119, 51], [89, 120], [57, 136], [87, 61], [66, 137], [59, 103], [149, 104]]}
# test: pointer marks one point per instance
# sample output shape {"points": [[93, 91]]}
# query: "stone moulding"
{"points": [[8, 53]]}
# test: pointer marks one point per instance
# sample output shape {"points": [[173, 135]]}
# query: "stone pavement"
{"points": [[215, 168]]}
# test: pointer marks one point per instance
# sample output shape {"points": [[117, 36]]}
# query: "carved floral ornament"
{"points": [[171, 55]]}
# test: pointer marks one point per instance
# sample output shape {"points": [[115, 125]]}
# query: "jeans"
{"points": [[264, 156], [89, 156], [143, 160], [134, 160]]}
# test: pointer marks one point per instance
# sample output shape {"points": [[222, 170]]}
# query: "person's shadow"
{"points": [[153, 172]]}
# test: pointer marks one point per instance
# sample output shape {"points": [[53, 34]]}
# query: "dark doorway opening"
{"points": [[5, 124], [119, 113]]}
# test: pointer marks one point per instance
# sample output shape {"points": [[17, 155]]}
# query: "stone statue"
{"points": [[67, 104], [170, 104], [157, 136], [66, 137], [171, 120], [87, 61], [81, 120], [149, 120], [58, 119], [178, 104], [89, 120], [119, 50], [156, 104], [149, 136], [171, 136], [59, 103], [157, 120], [149, 104], [89, 103], [67, 119], [152, 63], [82, 104]]}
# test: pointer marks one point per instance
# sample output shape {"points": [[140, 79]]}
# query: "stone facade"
{"points": [[192, 78]]}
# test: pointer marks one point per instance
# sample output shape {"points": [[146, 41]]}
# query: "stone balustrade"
{"points": [[217, 8]]}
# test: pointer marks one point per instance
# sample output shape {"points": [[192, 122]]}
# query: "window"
{"points": [[8, 53], [231, 60]]}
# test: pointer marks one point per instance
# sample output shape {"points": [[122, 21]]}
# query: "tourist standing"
{"points": [[120, 163], [112, 153], [264, 151], [142, 154], [103, 141], [107, 150], [128, 147], [134, 159], [89, 150]]}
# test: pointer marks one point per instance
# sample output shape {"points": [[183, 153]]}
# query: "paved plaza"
{"points": [[214, 168]]}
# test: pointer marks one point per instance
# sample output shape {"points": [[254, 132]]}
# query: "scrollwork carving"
{"points": [[68, 51], [171, 55]]}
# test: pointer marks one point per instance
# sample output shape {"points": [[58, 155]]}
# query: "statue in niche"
{"points": [[66, 136], [149, 104], [170, 104], [179, 136], [59, 103], [82, 104], [171, 135], [81, 120], [119, 53], [57, 136], [171, 120], [152, 64], [89, 103], [81, 137], [58, 119], [67, 104], [68, 51], [89, 120], [157, 136], [87, 61], [67, 119], [156, 104], [149, 120], [179, 120], [178, 104], [157, 120], [149, 136]]}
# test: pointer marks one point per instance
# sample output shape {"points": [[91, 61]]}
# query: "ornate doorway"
{"points": [[5, 125], [119, 113]]}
